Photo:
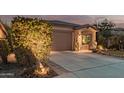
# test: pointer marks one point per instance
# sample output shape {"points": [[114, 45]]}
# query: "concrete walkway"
{"points": [[88, 65]]}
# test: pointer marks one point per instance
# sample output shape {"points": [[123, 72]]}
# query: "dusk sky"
{"points": [[78, 19]]}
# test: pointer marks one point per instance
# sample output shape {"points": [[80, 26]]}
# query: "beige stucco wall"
{"points": [[64, 28], [93, 43], [78, 38], [2, 34]]}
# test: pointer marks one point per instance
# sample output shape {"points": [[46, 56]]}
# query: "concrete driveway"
{"points": [[88, 65]]}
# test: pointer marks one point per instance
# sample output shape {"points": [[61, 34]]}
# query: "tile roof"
{"points": [[58, 22], [73, 25], [84, 26]]}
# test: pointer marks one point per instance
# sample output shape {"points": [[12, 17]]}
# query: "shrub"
{"points": [[4, 49], [31, 39], [100, 47], [104, 31], [117, 42]]}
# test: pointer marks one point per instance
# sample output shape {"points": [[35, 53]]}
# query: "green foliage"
{"points": [[5, 46], [31, 38], [100, 39], [4, 49], [117, 42], [104, 27]]}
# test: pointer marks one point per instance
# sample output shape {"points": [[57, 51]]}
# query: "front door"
{"points": [[86, 41]]}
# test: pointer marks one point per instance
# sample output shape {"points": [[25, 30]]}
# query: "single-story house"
{"points": [[68, 36], [73, 37]]}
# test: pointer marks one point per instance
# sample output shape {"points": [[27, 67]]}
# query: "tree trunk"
{"points": [[4, 58], [3, 53]]}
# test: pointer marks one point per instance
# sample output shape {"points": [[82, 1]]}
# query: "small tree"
{"points": [[31, 39], [104, 27]]}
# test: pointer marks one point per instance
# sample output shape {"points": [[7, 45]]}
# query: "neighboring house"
{"points": [[3, 36], [118, 31], [3, 32], [73, 37]]}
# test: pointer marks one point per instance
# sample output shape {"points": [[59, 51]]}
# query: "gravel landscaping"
{"points": [[115, 53], [14, 70]]}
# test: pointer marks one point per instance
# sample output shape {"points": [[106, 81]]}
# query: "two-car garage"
{"points": [[62, 40], [62, 35]]}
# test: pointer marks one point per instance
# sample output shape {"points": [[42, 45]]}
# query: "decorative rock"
{"points": [[11, 58]]}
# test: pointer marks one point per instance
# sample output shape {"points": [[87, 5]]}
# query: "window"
{"points": [[86, 39]]}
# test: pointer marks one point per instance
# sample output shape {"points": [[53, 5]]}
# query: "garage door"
{"points": [[62, 41]]}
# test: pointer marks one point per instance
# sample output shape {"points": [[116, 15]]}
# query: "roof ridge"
{"points": [[63, 22]]}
